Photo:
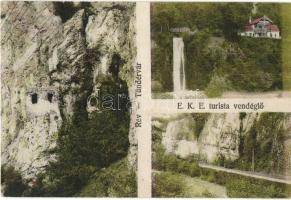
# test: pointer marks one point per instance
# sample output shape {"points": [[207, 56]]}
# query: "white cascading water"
{"points": [[179, 79]]}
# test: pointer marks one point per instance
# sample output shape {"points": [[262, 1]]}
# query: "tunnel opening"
{"points": [[115, 66], [50, 97], [34, 98]]}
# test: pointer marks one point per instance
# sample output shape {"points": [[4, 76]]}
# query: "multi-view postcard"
{"points": [[81, 85]]}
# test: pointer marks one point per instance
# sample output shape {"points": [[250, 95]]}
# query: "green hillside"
{"points": [[217, 58]]}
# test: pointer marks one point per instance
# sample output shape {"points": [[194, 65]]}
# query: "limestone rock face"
{"points": [[178, 138], [219, 136], [224, 134], [50, 60]]}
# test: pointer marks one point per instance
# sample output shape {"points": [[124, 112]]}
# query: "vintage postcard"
{"points": [[145, 99]]}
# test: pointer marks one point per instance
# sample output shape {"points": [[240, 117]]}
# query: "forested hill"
{"points": [[217, 58]]}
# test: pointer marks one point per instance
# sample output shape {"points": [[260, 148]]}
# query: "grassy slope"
{"points": [[118, 180], [172, 184], [200, 188]]}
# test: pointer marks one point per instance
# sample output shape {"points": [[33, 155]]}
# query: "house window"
{"points": [[50, 97], [34, 98]]}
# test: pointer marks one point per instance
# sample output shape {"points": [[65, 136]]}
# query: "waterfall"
{"points": [[179, 79]]}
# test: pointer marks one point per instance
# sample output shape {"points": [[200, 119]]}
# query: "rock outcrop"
{"points": [[179, 137], [51, 54], [219, 136], [222, 133]]}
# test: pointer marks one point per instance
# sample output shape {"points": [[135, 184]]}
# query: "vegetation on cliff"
{"points": [[262, 147], [87, 146], [236, 185], [265, 138]]}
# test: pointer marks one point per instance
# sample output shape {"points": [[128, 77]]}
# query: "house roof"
{"points": [[248, 28], [272, 28], [269, 27], [259, 19]]}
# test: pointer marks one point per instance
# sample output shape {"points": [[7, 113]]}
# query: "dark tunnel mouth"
{"points": [[115, 65], [50, 97], [34, 98]]}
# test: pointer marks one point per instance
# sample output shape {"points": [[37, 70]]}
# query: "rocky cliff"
{"points": [[231, 137], [220, 135], [51, 56]]}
